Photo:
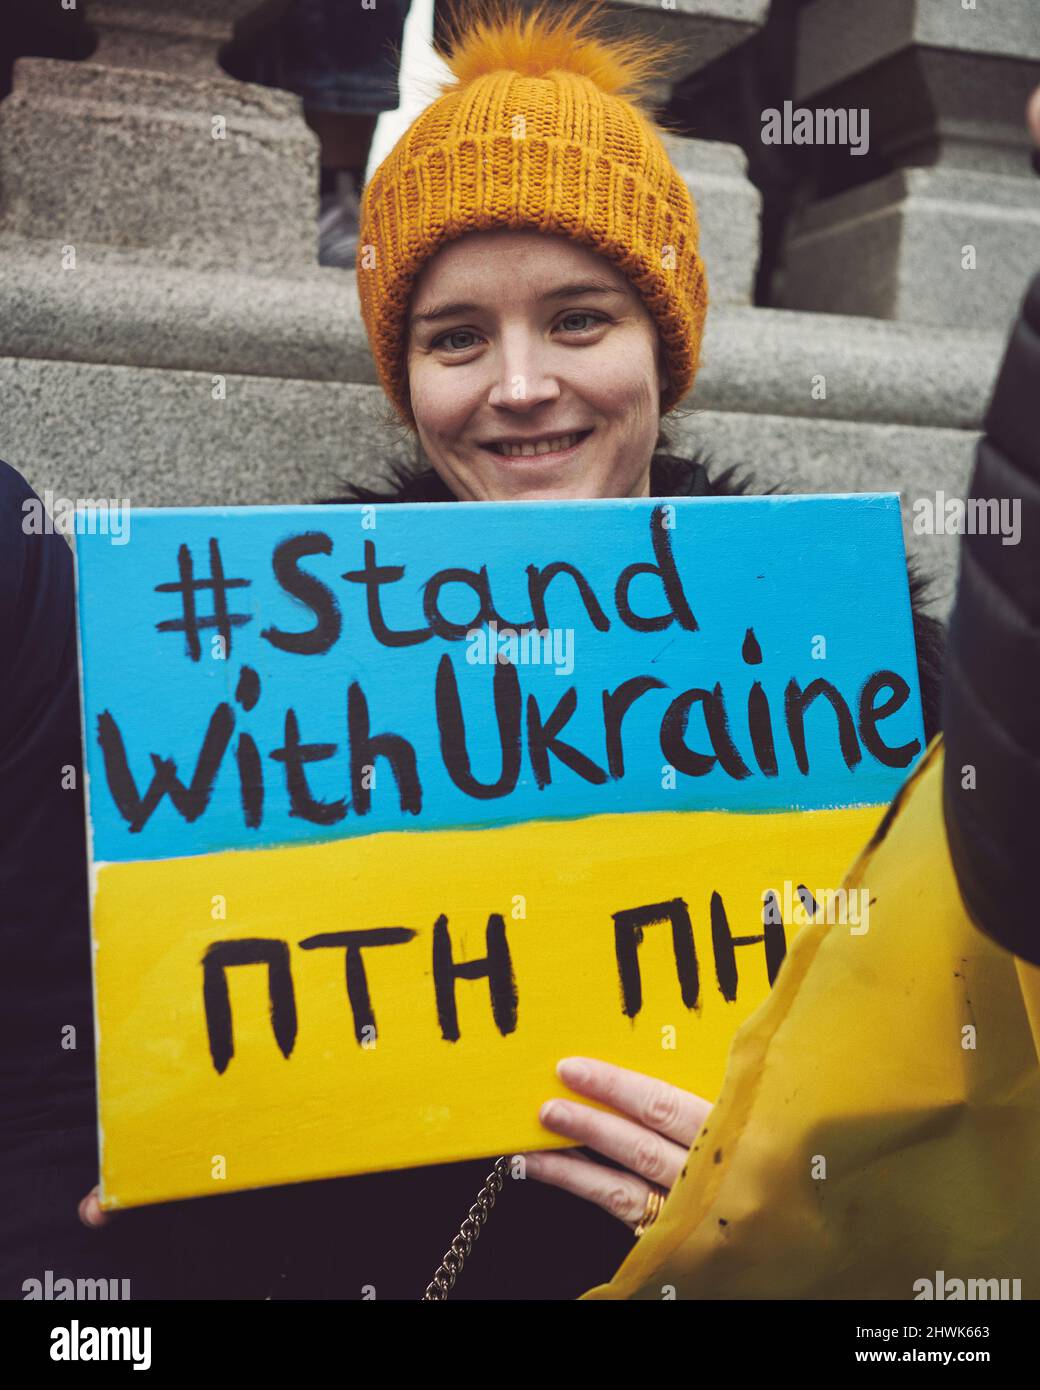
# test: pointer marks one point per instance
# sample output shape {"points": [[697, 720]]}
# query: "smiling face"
{"points": [[534, 370]]}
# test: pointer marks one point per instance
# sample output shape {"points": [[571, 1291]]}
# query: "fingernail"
{"points": [[89, 1213], [573, 1070], [552, 1112]]}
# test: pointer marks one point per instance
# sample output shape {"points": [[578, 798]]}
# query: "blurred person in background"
{"points": [[343, 60]]}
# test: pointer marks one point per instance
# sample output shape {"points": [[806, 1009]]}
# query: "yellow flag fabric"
{"points": [[879, 1121]]}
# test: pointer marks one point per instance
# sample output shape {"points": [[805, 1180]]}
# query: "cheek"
{"points": [[440, 408], [625, 385], [627, 371]]}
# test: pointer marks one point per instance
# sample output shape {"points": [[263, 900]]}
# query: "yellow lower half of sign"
{"points": [[233, 1054]]}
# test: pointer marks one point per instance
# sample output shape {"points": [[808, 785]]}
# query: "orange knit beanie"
{"points": [[541, 129]]}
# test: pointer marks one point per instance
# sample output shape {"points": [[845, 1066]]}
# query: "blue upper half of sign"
{"points": [[258, 676]]}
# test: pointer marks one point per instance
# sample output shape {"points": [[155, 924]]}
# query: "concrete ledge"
{"points": [[111, 310], [894, 249], [160, 439], [729, 211], [125, 158], [765, 361], [309, 327], [837, 39]]}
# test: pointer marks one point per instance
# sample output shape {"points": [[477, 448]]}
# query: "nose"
{"points": [[523, 379]]}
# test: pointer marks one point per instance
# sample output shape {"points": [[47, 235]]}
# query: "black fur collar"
{"points": [[670, 476]]}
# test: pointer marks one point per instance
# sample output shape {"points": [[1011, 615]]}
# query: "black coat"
{"points": [[326, 1240], [991, 707]]}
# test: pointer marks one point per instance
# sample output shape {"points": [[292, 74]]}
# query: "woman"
{"points": [[534, 298]]}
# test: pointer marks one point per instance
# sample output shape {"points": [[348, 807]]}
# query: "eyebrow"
{"points": [[572, 291]]}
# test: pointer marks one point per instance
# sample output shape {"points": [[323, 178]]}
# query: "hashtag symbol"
{"points": [[188, 586]]}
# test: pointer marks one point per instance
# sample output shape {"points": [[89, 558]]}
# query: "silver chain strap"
{"points": [[450, 1267]]}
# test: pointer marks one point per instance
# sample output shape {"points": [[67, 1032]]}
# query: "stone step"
{"points": [[773, 361], [159, 438], [204, 172], [114, 308], [930, 246], [729, 212]]}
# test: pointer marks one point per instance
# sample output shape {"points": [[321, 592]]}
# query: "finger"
{"points": [[1033, 116], [675, 1113], [643, 1150], [90, 1212], [621, 1194]]}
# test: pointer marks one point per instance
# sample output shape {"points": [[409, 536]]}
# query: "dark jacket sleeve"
{"points": [[991, 698], [47, 1022]]}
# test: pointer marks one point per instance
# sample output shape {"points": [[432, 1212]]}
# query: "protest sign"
{"points": [[392, 807]]}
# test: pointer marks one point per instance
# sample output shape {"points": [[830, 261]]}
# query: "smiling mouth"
{"points": [[557, 444]]}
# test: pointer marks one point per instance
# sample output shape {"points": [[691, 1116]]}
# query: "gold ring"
{"points": [[652, 1210]]}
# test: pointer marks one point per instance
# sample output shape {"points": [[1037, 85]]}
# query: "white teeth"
{"points": [[547, 446]]}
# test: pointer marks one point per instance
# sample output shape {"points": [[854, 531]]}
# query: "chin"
{"points": [[549, 490], [580, 479], [563, 493]]}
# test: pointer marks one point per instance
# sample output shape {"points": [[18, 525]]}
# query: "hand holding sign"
{"points": [[653, 1142]]}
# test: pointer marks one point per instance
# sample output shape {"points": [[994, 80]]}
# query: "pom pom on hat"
{"points": [[540, 127], [550, 41]]}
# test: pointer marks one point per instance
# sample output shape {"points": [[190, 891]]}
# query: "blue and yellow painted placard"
{"points": [[392, 807]]}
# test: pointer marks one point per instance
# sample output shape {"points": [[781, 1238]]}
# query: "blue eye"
{"points": [[591, 321], [595, 320], [442, 341]]}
